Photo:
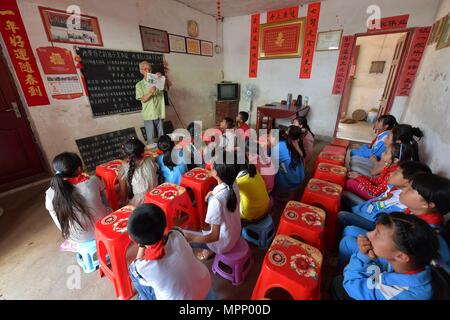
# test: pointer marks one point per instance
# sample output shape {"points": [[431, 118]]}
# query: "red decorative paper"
{"points": [[282, 14], [254, 44], [345, 56], [396, 22], [312, 22], [19, 49], [413, 59], [287, 44]]}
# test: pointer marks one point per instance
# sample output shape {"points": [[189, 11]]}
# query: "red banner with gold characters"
{"points": [[282, 14], [312, 22], [19, 49], [344, 59], [413, 59], [254, 44], [396, 22]]}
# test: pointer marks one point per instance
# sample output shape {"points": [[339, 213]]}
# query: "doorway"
{"points": [[369, 92], [21, 160]]}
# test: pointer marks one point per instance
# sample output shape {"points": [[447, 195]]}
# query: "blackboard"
{"points": [[102, 148], [111, 77]]}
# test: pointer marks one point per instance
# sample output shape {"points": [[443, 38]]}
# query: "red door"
{"points": [[20, 156]]}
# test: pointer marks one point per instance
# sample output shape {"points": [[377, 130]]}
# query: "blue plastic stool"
{"points": [[260, 233], [87, 256]]}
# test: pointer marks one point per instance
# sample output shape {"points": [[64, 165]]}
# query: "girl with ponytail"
{"points": [[74, 200], [137, 175], [307, 136], [223, 214]]}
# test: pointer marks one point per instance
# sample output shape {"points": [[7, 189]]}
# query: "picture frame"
{"points": [[444, 36], [329, 40], [56, 29], [206, 48], [281, 40], [177, 43], [436, 31], [155, 40], [193, 46]]}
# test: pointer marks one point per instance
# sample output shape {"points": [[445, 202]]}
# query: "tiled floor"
{"points": [[360, 131]]}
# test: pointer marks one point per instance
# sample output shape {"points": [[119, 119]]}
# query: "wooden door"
{"points": [[20, 156], [393, 73]]}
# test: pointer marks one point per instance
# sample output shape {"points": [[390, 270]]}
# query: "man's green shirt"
{"points": [[154, 108]]}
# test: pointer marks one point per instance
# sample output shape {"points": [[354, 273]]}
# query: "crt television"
{"points": [[227, 91]]}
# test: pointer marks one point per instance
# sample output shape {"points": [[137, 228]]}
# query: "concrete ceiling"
{"points": [[232, 8]]}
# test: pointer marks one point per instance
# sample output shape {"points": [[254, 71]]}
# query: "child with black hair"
{"points": [[75, 200], [307, 136], [226, 123], [393, 263], [241, 122], [194, 153], [137, 175], [171, 164], [165, 267], [223, 214]]}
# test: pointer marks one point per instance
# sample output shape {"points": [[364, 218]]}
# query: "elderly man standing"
{"points": [[153, 106]]}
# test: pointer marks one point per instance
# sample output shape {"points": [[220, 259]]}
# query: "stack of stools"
{"points": [[331, 158], [331, 173], [108, 172], [335, 149], [290, 265], [325, 195], [303, 221], [239, 260], [175, 201], [200, 182], [340, 143], [112, 239], [260, 233]]}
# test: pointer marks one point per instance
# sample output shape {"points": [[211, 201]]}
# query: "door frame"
{"points": [[409, 34], [45, 173]]}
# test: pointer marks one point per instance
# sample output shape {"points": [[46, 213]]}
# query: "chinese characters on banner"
{"points": [[282, 14], [254, 43], [343, 63], [62, 77], [412, 62], [397, 22], [19, 49], [312, 22]]}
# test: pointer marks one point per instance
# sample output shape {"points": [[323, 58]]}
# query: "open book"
{"points": [[154, 81]]}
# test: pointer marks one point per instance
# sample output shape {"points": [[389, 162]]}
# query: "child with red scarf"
{"points": [[165, 267], [75, 200]]}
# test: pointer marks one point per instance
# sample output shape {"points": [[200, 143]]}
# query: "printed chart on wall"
{"points": [[111, 77]]}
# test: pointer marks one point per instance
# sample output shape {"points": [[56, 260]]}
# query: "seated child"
{"points": [[171, 164], [75, 200], [266, 169], [370, 187], [165, 267], [365, 214], [194, 153], [307, 137], [254, 199], [425, 197], [361, 154], [223, 214], [226, 123], [137, 175], [392, 262], [241, 123]]}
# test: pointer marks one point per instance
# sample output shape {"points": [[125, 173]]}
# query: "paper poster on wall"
{"points": [[61, 73], [344, 59], [254, 44], [396, 22], [312, 22]]}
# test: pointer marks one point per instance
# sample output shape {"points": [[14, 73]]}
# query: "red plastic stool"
{"points": [[331, 158], [325, 195], [200, 182], [304, 221], [292, 266], [334, 149], [108, 172], [340, 143], [112, 238], [331, 173], [174, 201]]}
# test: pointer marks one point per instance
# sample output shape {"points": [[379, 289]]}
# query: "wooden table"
{"points": [[274, 112]]}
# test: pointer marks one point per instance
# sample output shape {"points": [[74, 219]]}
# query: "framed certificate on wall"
{"points": [[193, 46], [154, 39], [177, 43], [329, 40]]}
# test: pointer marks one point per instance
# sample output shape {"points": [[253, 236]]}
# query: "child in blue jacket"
{"points": [[171, 163], [393, 263]]}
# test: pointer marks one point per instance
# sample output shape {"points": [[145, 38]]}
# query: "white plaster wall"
{"points": [[276, 78], [58, 125], [368, 87], [429, 104]]}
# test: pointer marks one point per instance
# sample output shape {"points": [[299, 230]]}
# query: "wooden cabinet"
{"points": [[226, 109]]}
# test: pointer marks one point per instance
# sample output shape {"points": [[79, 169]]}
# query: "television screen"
{"points": [[227, 91]]}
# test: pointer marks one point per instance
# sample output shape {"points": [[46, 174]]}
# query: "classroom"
{"points": [[224, 150]]}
